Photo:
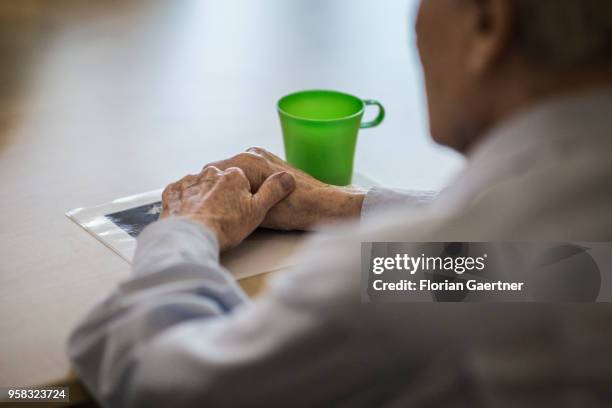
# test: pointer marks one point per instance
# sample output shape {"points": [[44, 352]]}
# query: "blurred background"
{"points": [[104, 99], [132, 87]]}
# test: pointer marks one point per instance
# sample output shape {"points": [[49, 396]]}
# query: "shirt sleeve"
{"points": [[380, 199], [180, 333], [176, 279]]}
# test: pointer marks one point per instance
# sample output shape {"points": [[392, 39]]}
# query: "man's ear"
{"points": [[492, 29]]}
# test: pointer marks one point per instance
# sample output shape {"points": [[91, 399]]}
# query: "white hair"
{"points": [[564, 34]]}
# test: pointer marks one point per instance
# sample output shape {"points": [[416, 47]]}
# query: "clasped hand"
{"points": [[233, 197]]}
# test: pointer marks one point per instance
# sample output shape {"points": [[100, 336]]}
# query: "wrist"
{"points": [[352, 202], [209, 224], [343, 203]]}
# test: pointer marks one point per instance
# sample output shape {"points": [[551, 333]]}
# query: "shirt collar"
{"points": [[575, 119], [540, 134]]}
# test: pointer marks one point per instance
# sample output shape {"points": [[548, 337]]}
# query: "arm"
{"points": [[182, 334], [181, 330], [380, 199], [177, 279], [313, 202]]}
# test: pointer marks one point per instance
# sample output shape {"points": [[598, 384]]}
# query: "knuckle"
{"points": [[185, 183], [257, 150], [234, 172], [170, 188], [210, 171], [243, 156], [249, 158], [168, 192], [188, 179], [206, 166], [262, 152], [236, 177], [165, 194], [220, 164]]}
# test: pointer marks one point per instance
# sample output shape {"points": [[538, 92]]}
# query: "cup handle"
{"points": [[379, 118]]}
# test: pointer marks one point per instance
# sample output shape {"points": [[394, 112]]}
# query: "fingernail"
{"points": [[287, 181]]}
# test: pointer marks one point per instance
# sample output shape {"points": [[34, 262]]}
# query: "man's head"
{"points": [[483, 60]]}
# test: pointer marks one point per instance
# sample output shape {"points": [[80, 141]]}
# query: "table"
{"points": [[105, 99]]}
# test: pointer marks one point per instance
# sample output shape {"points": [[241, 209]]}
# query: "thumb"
{"points": [[273, 189]]}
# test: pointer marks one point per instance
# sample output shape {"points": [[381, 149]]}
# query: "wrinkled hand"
{"points": [[222, 201], [312, 202]]}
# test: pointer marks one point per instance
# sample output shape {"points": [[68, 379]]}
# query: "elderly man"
{"points": [[524, 89]]}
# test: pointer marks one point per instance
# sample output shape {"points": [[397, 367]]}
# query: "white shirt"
{"points": [[182, 333]]}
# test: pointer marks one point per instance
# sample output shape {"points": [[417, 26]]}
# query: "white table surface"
{"points": [[103, 101]]}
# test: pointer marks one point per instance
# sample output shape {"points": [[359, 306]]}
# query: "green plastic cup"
{"points": [[320, 132]]}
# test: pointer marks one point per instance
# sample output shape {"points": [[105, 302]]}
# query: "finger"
{"points": [[171, 192], [171, 198], [188, 181], [242, 159], [257, 150], [210, 172], [245, 160], [194, 183], [255, 167], [274, 159], [190, 184], [266, 154], [218, 164], [274, 189], [207, 177], [237, 178]]}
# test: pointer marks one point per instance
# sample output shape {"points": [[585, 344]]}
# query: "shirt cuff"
{"points": [[173, 241], [380, 199]]}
